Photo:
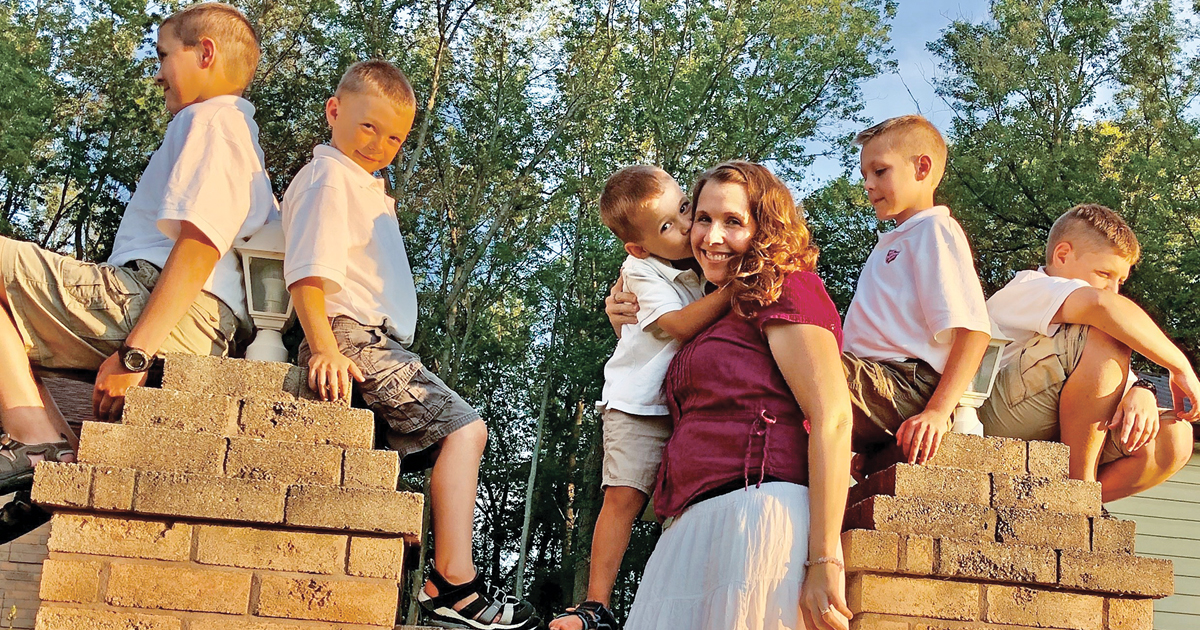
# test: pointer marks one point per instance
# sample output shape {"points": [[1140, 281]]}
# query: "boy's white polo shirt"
{"points": [[918, 285], [633, 377], [1024, 307], [341, 226], [208, 172]]}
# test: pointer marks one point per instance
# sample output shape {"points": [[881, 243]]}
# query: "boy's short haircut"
{"points": [[915, 134], [229, 28], [378, 77], [627, 192], [1094, 227]]}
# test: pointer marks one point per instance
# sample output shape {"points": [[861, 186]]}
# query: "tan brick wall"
{"points": [[20, 575]]}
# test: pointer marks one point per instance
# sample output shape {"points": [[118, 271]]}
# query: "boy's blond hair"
{"points": [[229, 28], [1093, 227], [911, 135], [627, 192], [378, 77]]}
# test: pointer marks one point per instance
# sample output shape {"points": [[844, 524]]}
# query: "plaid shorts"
{"points": [[417, 407]]}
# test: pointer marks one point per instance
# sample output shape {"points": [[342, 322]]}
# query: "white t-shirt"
{"points": [[918, 285], [633, 377], [208, 172], [341, 226], [1024, 307]]}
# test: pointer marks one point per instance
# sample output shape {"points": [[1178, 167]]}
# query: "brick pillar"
{"points": [[993, 535], [227, 500]]}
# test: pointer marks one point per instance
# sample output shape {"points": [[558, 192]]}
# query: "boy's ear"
{"points": [[637, 251], [331, 109], [924, 167], [206, 52], [1061, 251]]}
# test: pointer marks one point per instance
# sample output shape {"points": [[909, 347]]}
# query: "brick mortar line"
{"points": [[192, 564], [983, 583]]}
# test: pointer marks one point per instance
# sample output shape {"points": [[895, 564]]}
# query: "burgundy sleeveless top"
{"points": [[734, 417]]}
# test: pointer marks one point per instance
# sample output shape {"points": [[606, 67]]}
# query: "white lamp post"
{"points": [[966, 418], [266, 292]]}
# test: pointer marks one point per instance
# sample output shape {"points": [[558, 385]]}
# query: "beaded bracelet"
{"points": [[826, 560]]}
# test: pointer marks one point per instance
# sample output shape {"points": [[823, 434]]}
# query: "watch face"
{"points": [[136, 360]]}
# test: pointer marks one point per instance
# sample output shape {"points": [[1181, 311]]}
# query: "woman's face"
{"points": [[722, 230]]}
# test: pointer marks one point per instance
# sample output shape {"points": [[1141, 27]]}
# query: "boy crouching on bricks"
{"points": [[649, 212], [172, 283], [1066, 376], [917, 328], [348, 273]]}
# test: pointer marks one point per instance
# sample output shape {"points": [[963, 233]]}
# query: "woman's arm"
{"points": [[810, 361]]}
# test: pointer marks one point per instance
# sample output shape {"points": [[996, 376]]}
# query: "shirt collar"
{"points": [[936, 211], [246, 107], [669, 271], [360, 175]]}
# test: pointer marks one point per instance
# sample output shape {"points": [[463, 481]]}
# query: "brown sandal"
{"points": [[16, 470]]}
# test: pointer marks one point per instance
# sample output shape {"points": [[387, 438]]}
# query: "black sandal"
{"points": [[508, 612], [20, 517], [594, 616], [16, 470]]}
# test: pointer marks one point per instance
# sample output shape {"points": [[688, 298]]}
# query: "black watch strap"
{"points": [[1147, 384]]}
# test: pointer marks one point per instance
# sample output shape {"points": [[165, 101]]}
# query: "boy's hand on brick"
{"points": [[920, 435], [1185, 386], [1136, 422], [112, 381], [329, 374]]}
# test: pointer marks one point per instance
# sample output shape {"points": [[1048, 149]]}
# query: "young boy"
{"points": [[647, 210], [172, 283], [348, 273], [917, 328], [1066, 376]]}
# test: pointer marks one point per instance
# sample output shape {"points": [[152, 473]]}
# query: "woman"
{"points": [[741, 473]]}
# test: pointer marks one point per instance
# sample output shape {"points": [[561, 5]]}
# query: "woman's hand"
{"points": [[621, 307], [823, 598]]}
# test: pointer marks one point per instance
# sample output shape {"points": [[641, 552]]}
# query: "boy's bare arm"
{"points": [[1125, 321], [694, 318], [191, 262], [921, 434], [329, 371]]}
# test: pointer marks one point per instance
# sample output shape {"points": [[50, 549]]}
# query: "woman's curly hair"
{"points": [[781, 244]]}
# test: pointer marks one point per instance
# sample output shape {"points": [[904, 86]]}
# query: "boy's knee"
{"points": [[1105, 346], [625, 499], [1176, 443], [474, 435]]}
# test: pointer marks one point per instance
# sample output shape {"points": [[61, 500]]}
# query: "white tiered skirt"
{"points": [[733, 562]]}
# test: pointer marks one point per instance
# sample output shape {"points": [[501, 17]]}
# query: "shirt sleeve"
{"points": [[803, 300], [317, 236], [209, 185], [948, 287], [655, 296], [1031, 301]]}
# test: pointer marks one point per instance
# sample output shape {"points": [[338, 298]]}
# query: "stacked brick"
{"points": [[228, 499], [991, 534]]}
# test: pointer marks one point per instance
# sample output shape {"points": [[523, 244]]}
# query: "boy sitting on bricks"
{"points": [[172, 283], [1066, 376], [917, 328], [349, 276]]}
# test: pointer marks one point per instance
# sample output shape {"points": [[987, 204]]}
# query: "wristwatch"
{"points": [[134, 359], [1146, 383]]}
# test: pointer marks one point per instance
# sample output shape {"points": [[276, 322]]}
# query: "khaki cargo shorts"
{"points": [[633, 448], [74, 315], [885, 394], [1024, 400], [417, 407]]}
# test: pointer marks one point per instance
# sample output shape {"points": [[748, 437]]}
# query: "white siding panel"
{"points": [[1168, 526]]}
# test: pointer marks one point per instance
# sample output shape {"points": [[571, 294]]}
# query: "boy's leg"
{"points": [[1124, 475], [884, 394], [453, 489], [610, 539], [1089, 400]]}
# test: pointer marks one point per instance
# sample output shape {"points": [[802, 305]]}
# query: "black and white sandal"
{"points": [[492, 608], [594, 616]]}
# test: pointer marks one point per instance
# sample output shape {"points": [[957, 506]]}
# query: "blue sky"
{"points": [[916, 23]]}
